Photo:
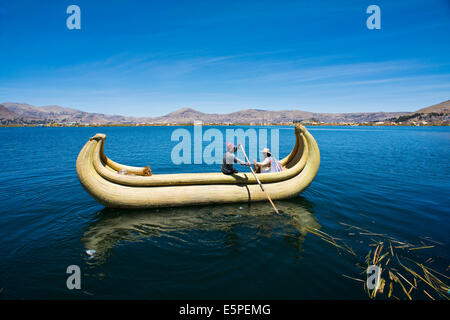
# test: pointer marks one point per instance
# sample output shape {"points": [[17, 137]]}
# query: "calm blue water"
{"points": [[389, 180]]}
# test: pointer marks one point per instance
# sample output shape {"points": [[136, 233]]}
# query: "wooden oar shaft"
{"points": [[259, 182]]}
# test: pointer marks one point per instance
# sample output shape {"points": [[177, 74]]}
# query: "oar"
{"points": [[259, 182]]}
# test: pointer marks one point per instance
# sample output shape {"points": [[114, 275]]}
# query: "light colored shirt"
{"points": [[264, 165]]}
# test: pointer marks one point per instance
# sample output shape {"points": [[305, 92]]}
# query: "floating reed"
{"points": [[389, 250], [331, 240]]}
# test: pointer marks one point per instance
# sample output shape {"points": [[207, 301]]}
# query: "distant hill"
{"points": [[187, 115], [10, 117], [437, 114], [11, 112], [60, 114], [5, 113], [440, 107]]}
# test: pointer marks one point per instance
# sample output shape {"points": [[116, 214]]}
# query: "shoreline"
{"points": [[364, 124]]}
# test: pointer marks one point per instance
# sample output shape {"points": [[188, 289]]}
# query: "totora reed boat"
{"points": [[100, 176]]}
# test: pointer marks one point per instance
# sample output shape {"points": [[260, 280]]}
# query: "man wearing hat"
{"points": [[229, 159], [269, 164]]}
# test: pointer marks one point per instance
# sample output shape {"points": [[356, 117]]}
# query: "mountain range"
{"points": [[22, 113], [438, 113]]}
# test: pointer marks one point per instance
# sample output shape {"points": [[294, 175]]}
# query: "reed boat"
{"points": [[100, 177]]}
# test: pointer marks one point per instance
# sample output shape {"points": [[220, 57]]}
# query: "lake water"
{"points": [[393, 181]]}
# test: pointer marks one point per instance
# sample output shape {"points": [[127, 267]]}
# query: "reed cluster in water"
{"points": [[405, 277]]}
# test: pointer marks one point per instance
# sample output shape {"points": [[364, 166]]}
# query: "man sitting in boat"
{"points": [[229, 159], [269, 164]]}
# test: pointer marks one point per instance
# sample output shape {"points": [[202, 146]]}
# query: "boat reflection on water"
{"points": [[114, 225]]}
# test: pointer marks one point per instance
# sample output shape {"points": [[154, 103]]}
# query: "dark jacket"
{"points": [[228, 160]]}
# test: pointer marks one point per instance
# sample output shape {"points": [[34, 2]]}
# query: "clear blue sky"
{"points": [[148, 58]]}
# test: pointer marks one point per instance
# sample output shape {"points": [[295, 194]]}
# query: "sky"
{"points": [[149, 58]]}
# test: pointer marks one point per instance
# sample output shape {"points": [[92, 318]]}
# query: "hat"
{"points": [[266, 150], [230, 147]]}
